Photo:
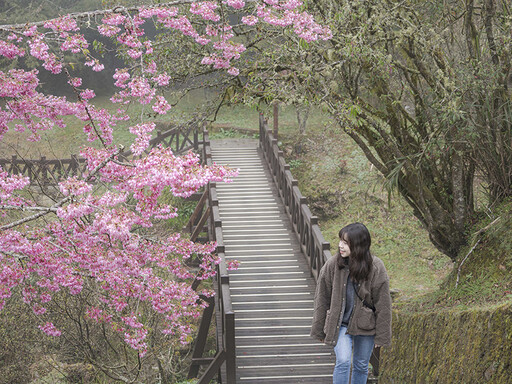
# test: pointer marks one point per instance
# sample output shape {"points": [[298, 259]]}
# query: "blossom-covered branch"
{"points": [[96, 236]]}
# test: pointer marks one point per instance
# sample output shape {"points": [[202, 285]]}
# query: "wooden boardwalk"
{"points": [[272, 291]]}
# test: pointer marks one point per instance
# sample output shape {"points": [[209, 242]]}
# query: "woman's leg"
{"points": [[343, 350], [363, 347]]}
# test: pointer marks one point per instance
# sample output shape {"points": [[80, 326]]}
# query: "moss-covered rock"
{"points": [[472, 346]]}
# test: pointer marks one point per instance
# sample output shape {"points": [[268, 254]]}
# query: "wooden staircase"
{"points": [[272, 291]]}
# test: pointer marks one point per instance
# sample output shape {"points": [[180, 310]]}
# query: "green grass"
{"points": [[340, 183], [342, 187]]}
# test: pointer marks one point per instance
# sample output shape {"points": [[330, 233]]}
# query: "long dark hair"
{"points": [[360, 260]]}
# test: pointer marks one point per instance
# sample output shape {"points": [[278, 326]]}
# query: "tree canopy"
{"points": [[92, 241], [424, 88]]}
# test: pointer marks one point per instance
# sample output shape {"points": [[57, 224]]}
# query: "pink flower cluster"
{"points": [[161, 105], [237, 4], [62, 24], [73, 186], [285, 15], [143, 133], [30, 109], [10, 50], [50, 329], [95, 235], [206, 9]]}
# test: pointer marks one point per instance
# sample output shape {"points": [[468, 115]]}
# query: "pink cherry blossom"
{"points": [[161, 105], [233, 71], [65, 23], [162, 79], [206, 9], [121, 76], [74, 186], [10, 50], [114, 19], [74, 43], [50, 329], [87, 94], [94, 233], [108, 30], [142, 131], [249, 20], [237, 4], [75, 82]]}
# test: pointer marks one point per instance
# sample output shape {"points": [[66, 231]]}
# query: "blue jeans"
{"points": [[352, 349]]}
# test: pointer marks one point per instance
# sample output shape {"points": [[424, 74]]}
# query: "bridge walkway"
{"points": [[272, 291]]}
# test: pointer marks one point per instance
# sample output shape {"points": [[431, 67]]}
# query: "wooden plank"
{"points": [[197, 211], [199, 228]]}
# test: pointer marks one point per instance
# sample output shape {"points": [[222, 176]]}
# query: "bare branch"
{"points": [[15, 255], [26, 208]]}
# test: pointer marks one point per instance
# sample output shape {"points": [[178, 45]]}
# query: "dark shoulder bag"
{"points": [[365, 303]]}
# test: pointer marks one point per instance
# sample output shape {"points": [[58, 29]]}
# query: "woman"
{"points": [[353, 305]]}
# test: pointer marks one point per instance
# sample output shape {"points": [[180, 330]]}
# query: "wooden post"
{"points": [[212, 369], [14, 165], [45, 171], [197, 211], [276, 119], [230, 348], [196, 139], [199, 227], [201, 338]]}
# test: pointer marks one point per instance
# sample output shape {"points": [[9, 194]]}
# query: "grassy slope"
{"points": [[482, 276], [342, 187]]}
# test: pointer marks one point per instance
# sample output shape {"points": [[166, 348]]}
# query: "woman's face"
{"points": [[344, 248]]}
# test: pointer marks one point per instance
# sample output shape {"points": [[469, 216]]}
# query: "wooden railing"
{"points": [[44, 171], [180, 139], [224, 362], [305, 225]]}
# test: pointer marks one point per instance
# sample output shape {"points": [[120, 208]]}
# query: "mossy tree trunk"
{"points": [[430, 106]]}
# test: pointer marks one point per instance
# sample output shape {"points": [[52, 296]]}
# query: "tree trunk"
{"points": [[302, 117]]}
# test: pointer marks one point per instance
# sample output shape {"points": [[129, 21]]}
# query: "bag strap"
{"points": [[365, 303]]}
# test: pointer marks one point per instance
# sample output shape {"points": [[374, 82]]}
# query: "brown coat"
{"points": [[330, 301]]}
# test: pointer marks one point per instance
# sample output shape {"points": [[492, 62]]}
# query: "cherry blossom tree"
{"points": [[94, 239]]}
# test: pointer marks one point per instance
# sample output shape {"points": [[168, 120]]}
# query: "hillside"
{"points": [[342, 187]]}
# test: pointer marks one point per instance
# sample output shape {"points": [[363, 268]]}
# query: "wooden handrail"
{"points": [[305, 225], [181, 139]]}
